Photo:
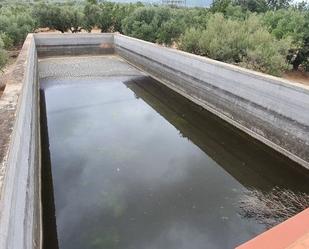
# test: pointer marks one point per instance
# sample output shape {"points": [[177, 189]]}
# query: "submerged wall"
{"points": [[270, 109]]}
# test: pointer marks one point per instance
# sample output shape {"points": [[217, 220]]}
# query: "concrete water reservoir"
{"points": [[148, 147]]}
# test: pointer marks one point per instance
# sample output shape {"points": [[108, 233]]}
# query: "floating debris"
{"points": [[272, 208]]}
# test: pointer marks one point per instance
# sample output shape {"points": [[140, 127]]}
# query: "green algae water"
{"points": [[136, 166]]}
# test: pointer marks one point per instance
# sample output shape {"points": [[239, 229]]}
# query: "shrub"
{"points": [[223, 39], [169, 31], [220, 5], [252, 5], [293, 24], [189, 41], [265, 54], [246, 43], [236, 12], [7, 41], [146, 23], [15, 24], [3, 55]]}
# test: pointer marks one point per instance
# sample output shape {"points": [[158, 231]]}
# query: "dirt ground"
{"points": [[297, 76], [8, 68]]}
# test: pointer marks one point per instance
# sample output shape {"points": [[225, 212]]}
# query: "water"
{"points": [[136, 166]]}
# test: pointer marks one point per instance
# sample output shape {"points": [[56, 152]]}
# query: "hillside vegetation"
{"points": [[270, 36]]}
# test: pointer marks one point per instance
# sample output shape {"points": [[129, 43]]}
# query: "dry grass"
{"points": [[273, 207]]}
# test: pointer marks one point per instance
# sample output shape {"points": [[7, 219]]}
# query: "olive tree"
{"points": [[92, 12], [59, 17], [105, 20], [120, 12]]}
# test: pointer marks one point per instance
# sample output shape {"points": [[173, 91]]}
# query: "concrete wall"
{"points": [[74, 44], [268, 108], [20, 207], [20, 152]]}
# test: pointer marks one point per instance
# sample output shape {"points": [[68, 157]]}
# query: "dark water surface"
{"points": [[136, 166]]}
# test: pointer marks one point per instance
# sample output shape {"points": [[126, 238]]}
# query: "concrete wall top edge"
{"points": [[96, 38], [73, 39], [272, 110], [252, 73], [269, 92], [19, 206], [10, 96]]}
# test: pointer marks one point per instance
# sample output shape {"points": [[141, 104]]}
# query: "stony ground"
{"points": [[8, 69]]}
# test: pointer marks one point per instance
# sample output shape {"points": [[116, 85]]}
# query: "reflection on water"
{"points": [[136, 166]]}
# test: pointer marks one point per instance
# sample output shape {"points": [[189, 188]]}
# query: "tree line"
{"points": [[270, 36]]}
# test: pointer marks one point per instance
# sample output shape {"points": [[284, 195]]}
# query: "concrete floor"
{"points": [[85, 66]]}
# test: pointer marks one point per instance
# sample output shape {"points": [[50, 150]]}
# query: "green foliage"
{"points": [[6, 41], [278, 4], [107, 16], [105, 21], [220, 5], [252, 5], [189, 41], [302, 6], [266, 54], [295, 25], [92, 1], [76, 20], [284, 23], [302, 57], [119, 12], [15, 23], [236, 12], [147, 23], [139, 25], [258, 34], [62, 18], [245, 43], [92, 15], [224, 39], [3, 55], [169, 31]]}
